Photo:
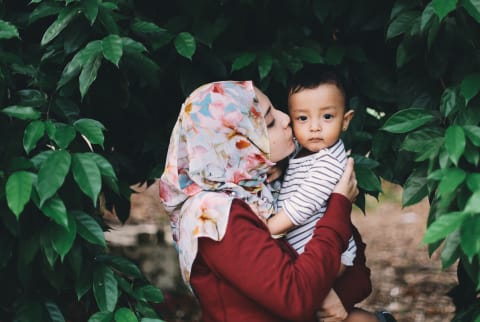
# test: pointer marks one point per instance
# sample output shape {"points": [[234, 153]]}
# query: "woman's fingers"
{"points": [[347, 185]]}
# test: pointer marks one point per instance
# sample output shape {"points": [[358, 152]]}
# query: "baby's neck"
{"points": [[303, 153]]}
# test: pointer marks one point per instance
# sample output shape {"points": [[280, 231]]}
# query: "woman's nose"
{"points": [[285, 119]]}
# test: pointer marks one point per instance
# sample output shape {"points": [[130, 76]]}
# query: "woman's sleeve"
{"points": [[354, 285], [250, 260]]}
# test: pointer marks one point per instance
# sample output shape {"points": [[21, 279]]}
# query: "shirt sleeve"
{"points": [[348, 256], [314, 192], [354, 285], [259, 267]]}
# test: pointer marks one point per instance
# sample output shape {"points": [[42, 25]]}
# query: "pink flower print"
{"points": [[240, 175], [218, 88]]}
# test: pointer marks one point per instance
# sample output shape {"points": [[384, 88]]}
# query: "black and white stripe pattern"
{"points": [[306, 187]]}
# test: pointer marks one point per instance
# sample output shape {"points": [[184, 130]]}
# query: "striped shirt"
{"points": [[306, 187]]}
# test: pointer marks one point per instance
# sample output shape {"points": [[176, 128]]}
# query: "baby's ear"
{"points": [[347, 117]]}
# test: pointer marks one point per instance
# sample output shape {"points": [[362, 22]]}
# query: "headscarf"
{"points": [[219, 150]]}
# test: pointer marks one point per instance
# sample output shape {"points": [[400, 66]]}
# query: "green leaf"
{"points": [[54, 312], [452, 178], [89, 228], [473, 203], [401, 24], [90, 9], [101, 317], [91, 129], [470, 86], [22, 112], [473, 181], [455, 142], [50, 254], [120, 264], [112, 48], [83, 283], [32, 97], [67, 109], [55, 209], [64, 135], [43, 10], [426, 142], [309, 55], [265, 62], [146, 27], [469, 236], [52, 173], [7, 30], [473, 9], [443, 226], [407, 120], [155, 320], [448, 102], [451, 249], [63, 20], [87, 175], [427, 16], [50, 128], [242, 61], [29, 310], [18, 190], [335, 55], [131, 45], [105, 288], [103, 165], [125, 315], [443, 7], [33, 132], [63, 237], [367, 179], [92, 49], [473, 133], [89, 73], [40, 158], [472, 154], [185, 44], [415, 188], [149, 293]]}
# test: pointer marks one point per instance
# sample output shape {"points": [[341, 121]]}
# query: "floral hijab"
{"points": [[218, 151]]}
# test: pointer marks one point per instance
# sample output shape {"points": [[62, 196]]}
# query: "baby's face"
{"points": [[318, 116]]}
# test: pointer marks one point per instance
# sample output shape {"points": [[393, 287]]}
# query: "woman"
{"points": [[228, 135]]}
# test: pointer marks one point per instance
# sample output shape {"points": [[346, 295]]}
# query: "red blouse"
{"points": [[248, 276]]}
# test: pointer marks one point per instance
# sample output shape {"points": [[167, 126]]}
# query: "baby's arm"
{"points": [[310, 196], [280, 223]]}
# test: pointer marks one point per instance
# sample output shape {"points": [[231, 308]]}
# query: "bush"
{"points": [[89, 92]]}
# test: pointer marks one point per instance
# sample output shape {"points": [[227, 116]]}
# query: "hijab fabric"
{"points": [[218, 151]]}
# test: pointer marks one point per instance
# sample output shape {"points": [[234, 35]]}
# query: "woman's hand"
{"points": [[347, 185], [332, 309], [274, 173]]}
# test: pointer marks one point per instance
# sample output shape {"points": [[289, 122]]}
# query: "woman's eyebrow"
{"points": [[268, 111]]}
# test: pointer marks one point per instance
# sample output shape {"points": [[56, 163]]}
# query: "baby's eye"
{"points": [[328, 116], [301, 118]]}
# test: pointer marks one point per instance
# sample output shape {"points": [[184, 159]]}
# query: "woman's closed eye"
{"points": [[271, 124]]}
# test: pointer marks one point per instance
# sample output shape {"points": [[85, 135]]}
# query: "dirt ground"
{"points": [[405, 280]]}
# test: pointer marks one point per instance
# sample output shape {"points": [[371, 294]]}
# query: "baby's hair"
{"points": [[312, 77]]}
